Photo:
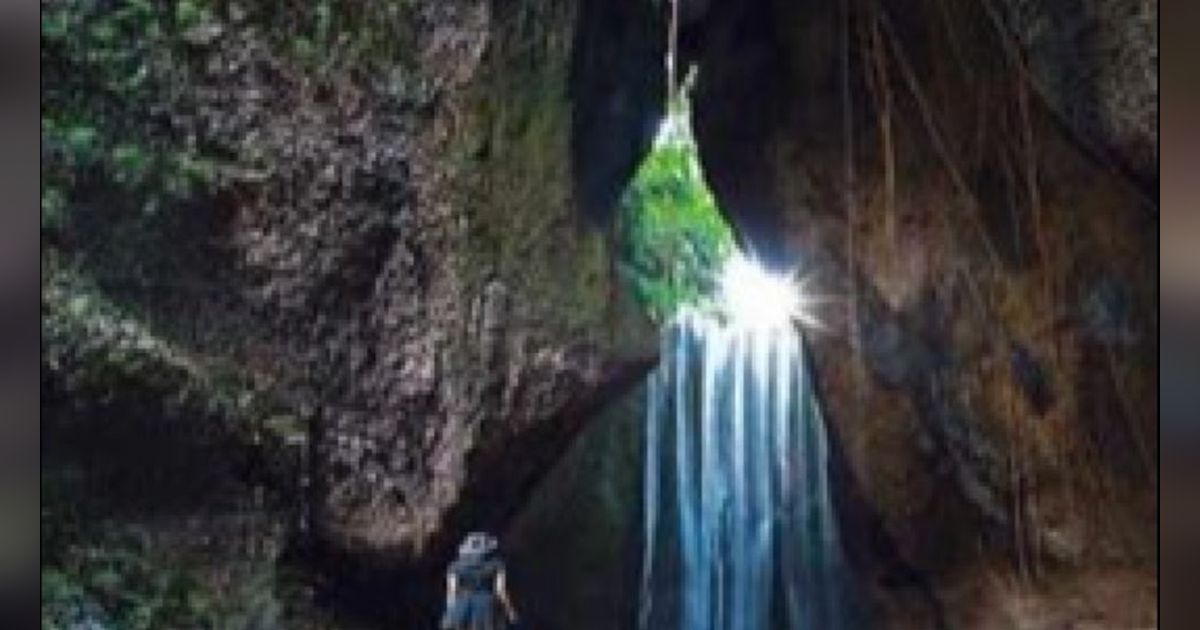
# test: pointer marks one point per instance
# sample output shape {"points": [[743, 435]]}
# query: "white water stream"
{"points": [[739, 529]]}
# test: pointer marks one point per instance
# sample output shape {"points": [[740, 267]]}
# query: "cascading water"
{"points": [[740, 532]]}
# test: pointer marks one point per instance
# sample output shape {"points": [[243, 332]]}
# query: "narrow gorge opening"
{"points": [[739, 529]]}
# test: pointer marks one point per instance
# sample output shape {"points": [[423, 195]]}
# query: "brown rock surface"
{"points": [[399, 255], [989, 359]]}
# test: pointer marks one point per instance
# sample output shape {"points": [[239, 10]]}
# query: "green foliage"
{"points": [[673, 238], [115, 585], [118, 77], [111, 71], [328, 36], [99, 363], [94, 576]]}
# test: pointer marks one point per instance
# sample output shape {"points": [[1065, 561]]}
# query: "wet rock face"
{"points": [[403, 259], [574, 550], [978, 250], [423, 267]]}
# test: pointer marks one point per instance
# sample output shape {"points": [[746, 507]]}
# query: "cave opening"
{"points": [[739, 528]]}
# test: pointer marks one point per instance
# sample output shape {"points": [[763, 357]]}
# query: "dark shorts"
{"points": [[473, 611]]}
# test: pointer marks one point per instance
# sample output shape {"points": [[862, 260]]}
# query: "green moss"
{"points": [[673, 237], [115, 584], [328, 38], [99, 572], [670, 235], [108, 68], [524, 225]]}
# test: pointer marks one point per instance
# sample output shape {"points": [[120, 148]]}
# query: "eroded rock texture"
{"points": [[1096, 64], [989, 359], [399, 257]]}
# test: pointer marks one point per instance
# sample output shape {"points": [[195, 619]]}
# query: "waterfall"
{"points": [[739, 530]]}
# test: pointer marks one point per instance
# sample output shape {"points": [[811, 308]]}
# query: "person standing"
{"points": [[476, 587]]}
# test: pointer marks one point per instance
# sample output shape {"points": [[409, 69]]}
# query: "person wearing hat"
{"points": [[476, 589]]}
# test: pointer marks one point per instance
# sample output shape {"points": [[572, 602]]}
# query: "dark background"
{"points": [[19, 328]]}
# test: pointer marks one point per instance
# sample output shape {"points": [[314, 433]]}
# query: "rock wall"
{"points": [[574, 551], [402, 250], [989, 360], [1096, 65]]}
